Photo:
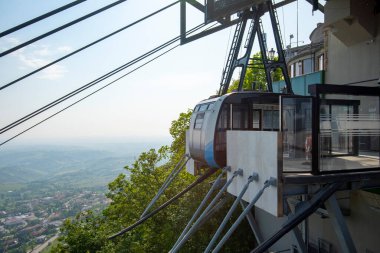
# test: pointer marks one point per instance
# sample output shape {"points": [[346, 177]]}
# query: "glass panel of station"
{"points": [[296, 126], [349, 132]]}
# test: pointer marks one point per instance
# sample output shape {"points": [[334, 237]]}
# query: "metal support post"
{"points": [[301, 246], [183, 21], [204, 201], [263, 50], [340, 226], [269, 182], [213, 210], [253, 224], [280, 51], [233, 55], [177, 169], [178, 245], [244, 61], [253, 177]]}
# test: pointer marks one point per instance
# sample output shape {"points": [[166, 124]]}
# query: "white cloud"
{"points": [[53, 72], [12, 41], [42, 51], [36, 56], [8, 43], [32, 61], [64, 49]]}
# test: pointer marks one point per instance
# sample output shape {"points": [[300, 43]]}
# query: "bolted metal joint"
{"points": [[239, 172], [272, 181], [253, 177], [227, 168]]}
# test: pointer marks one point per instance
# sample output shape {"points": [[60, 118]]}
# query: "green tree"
{"points": [[255, 76], [130, 195]]}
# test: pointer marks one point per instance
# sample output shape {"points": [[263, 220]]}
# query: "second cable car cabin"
{"points": [[211, 118]]}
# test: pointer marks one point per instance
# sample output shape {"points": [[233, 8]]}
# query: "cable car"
{"points": [[211, 118]]}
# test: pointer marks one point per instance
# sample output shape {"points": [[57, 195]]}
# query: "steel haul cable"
{"points": [[39, 18], [51, 104], [83, 98], [92, 83], [60, 28], [85, 47]]}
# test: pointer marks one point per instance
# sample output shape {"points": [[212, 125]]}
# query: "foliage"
{"points": [[178, 132], [130, 195], [255, 78]]}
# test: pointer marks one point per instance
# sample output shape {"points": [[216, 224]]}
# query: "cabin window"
{"points": [[203, 107], [256, 118], [199, 121], [210, 105], [240, 117], [223, 118], [270, 120]]}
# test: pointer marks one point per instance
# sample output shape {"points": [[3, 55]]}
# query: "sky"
{"points": [[140, 106]]}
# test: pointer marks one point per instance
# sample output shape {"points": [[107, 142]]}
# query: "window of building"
{"points": [[298, 68], [307, 66], [321, 62], [292, 70]]}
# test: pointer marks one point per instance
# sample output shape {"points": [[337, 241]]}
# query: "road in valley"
{"points": [[40, 247]]}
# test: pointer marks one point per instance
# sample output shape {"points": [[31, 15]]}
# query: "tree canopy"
{"points": [[255, 78], [131, 192], [129, 195]]}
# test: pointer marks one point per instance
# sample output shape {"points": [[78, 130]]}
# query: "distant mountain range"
{"points": [[71, 165]]}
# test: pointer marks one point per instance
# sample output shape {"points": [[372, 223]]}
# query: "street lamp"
{"points": [[271, 54], [291, 36]]}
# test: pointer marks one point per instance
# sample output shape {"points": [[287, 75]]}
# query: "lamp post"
{"points": [[291, 36], [271, 54]]}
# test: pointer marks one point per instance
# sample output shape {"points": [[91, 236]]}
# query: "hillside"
{"points": [[69, 165]]}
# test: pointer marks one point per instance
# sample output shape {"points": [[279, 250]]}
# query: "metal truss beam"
{"points": [[253, 224], [301, 214], [340, 226], [301, 246]]}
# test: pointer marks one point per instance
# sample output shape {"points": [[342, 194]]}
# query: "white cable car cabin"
{"points": [[211, 118]]}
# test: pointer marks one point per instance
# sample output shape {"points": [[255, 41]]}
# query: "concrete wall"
{"points": [[349, 64], [363, 223], [268, 225]]}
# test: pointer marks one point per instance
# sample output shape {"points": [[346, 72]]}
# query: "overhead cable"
{"points": [[39, 18], [92, 83], [167, 203], [60, 28], [87, 96], [85, 47], [81, 89]]}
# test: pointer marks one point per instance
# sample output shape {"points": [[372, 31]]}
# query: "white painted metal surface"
{"points": [[190, 166], [254, 151]]}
